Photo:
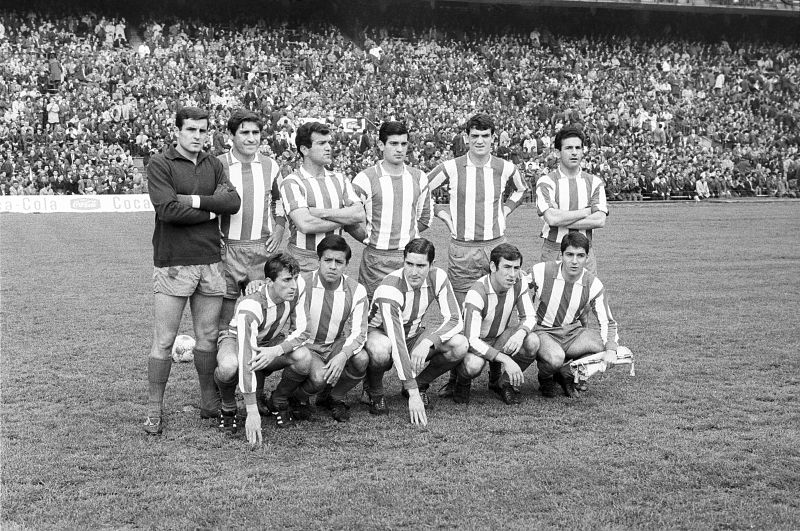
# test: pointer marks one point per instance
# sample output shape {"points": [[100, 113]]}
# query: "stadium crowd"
{"points": [[81, 107]]}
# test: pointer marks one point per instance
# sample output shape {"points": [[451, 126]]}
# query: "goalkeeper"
{"points": [[564, 290]]}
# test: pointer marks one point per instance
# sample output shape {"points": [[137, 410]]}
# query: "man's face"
{"points": [[506, 273], [247, 138], [320, 150], [573, 261], [415, 269], [480, 142], [571, 153], [395, 148], [332, 265], [283, 288], [192, 135]]}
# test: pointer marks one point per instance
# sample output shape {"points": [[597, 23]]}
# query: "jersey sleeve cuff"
{"points": [[195, 201]]}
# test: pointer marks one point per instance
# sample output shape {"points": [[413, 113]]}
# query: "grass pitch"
{"points": [[705, 436]]}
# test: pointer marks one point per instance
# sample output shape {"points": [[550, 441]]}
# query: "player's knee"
{"points": [[227, 367], [300, 360], [530, 346], [316, 380], [379, 350], [473, 365], [162, 346], [551, 360], [358, 363], [458, 347]]}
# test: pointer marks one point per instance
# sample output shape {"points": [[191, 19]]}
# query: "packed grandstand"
{"points": [[86, 97]]}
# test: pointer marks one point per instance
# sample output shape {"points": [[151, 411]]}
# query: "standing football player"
{"points": [[186, 258]]}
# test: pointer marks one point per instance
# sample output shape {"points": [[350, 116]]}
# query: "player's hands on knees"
{"points": [[515, 376], [254, 286], [419, 355], [416, 409], [514, 343], [263, 356], [252, 428], [334, 368]]}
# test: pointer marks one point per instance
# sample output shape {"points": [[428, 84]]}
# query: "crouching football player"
{"points": [[564, 290], [396, 334], [487, 310], [253, 342], [335, 308]]}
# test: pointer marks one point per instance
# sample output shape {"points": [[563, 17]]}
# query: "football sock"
{"points": [[461, 372], [545, 370], [374, 381], [227, 391], [290, 382], [261, 376], [157, 376], [347, 381], [495, 371], [438, 365], [205, 361]]}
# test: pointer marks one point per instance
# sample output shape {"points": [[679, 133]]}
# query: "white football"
{"points": [[183, 348]]}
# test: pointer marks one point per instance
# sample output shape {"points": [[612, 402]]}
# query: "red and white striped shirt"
{"points": [[398, 309], [394, 205], [300, 189], [559, 303], [486, 313], [476, 195], [258, 185], [556, 190], [258, 319], [332, 313]]}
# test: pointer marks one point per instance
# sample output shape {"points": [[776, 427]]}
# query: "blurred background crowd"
{"points": [[87, 97]]}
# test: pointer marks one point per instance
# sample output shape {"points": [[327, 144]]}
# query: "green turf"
{"points": [[705, 436]]}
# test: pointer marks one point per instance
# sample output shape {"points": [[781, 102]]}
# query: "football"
{"points": [[183, 349]]}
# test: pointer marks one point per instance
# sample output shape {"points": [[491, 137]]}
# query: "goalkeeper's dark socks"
{"points": [[290, 382], [205, 361], [157, 375], [438, 365]]}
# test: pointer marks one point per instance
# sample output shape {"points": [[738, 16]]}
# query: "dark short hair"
{"points": [[420, 246], [575, 239], [240, 116], [334, 242], [481, 122], [569, 131], [303, 136], [279, 262], [189, 113], [507, 251], [391, 128]]}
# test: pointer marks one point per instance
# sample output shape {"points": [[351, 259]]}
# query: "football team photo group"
{"points": [[259, 308]]}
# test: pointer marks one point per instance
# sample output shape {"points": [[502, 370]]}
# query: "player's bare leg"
{"points": [[205, 319], [167, 313]]}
